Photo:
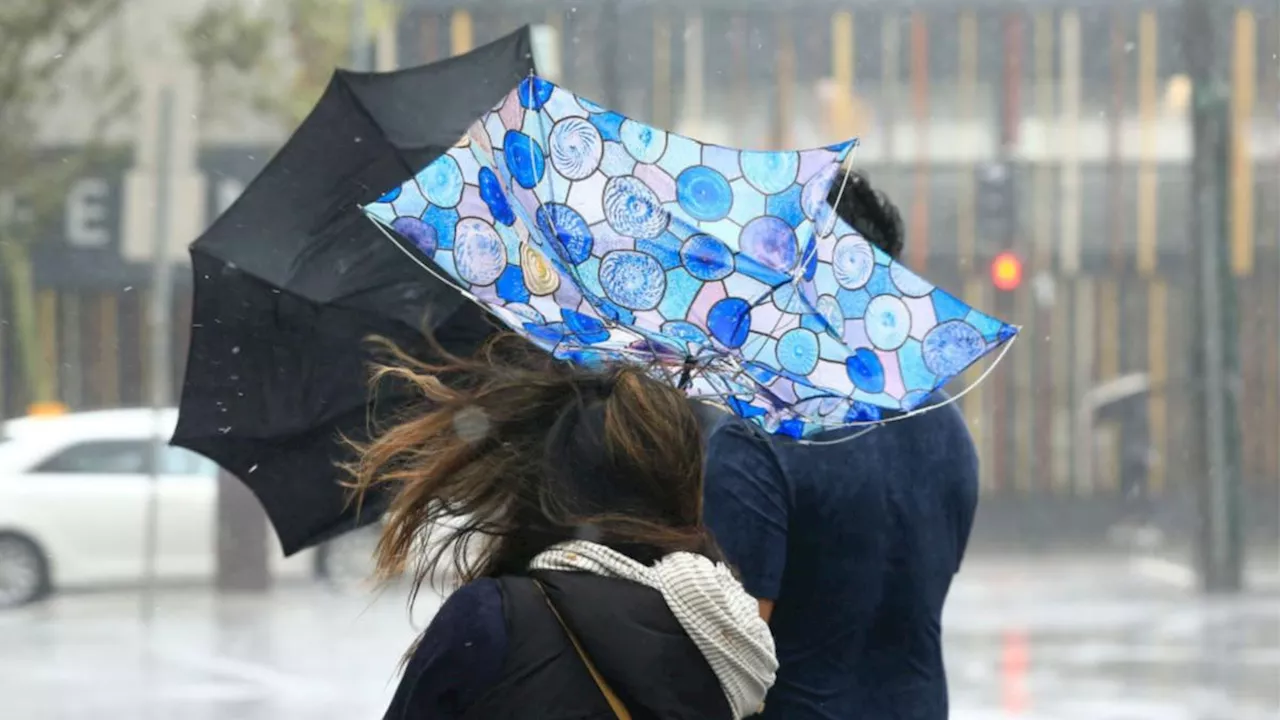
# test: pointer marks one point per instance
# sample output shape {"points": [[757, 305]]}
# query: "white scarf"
{"points": [[717, 613]]}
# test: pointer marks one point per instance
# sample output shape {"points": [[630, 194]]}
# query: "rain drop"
{"points": [[128, 288], [224, 430], [253, 468], [1129, 46], [235, 350], [471, 424]]}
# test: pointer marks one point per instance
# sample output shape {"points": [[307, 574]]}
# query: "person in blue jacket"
{"points": [[850, 548]]}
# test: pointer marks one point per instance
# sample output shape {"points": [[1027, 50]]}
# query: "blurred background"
{"points": [[1106, 174]]}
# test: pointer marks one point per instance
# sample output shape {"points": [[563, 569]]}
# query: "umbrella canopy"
{"points": [[293, 277], [602, 238]]}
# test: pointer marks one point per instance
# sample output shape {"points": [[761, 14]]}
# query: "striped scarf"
{"points": [[717, 613]]}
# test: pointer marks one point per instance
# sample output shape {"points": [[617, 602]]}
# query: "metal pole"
{"points": [[160, 336], [1214, 361], [359, 36]]}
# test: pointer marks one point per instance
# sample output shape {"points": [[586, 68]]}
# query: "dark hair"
{"points": [[868, 211], [520, 451]]}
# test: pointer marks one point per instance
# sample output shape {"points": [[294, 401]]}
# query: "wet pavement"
{"points": [[1086, 639], [1040, 639]]}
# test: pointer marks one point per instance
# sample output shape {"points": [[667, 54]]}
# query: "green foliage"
{"points": [[277, 60], [38, 39]]}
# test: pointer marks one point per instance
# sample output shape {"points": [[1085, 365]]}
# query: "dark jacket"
{"points": [[857, 542], [530, 670]]}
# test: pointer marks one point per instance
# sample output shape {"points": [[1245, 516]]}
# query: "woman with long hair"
{"points": [[568, 502]]}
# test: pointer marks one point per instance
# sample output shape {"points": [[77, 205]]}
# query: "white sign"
{"points": [[86, 216]]}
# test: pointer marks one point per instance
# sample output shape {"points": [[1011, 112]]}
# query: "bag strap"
{"points": [[615, 704]]}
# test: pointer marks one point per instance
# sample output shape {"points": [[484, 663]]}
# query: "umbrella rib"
{"points": [[422, 264], [922, 410], [831, 223]]}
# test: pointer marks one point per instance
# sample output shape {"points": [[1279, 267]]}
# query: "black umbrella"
{"points": [[293, 277]]}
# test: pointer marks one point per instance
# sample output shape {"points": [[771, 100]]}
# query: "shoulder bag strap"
{"points": [[614, 703]]}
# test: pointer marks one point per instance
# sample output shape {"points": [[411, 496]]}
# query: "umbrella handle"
{"points": [[686, 375]]}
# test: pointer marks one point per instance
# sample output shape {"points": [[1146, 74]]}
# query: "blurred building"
{"points": [[1057, 131]]}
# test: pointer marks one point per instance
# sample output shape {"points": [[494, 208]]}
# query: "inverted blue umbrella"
{"points": [[604, 239]]}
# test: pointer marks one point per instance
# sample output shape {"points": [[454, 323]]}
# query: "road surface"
{"points": [[1039, 639]]}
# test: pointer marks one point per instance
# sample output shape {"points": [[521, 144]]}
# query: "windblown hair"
{"points": [[869, 211], [511, 451]]}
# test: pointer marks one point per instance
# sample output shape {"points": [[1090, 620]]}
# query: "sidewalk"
{"points": [[1062, 638]]}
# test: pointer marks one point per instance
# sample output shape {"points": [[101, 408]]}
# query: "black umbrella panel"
{"points": [[293, 278]]}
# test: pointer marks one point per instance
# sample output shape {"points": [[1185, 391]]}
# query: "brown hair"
{"points": [[520, 451]]}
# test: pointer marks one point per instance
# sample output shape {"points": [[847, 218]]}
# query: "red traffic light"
{"points": [[1006, 271]]}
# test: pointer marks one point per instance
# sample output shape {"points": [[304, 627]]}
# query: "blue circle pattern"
{"points": [[478, 252], [495, 198], [586, 328], [576, 148], [534, 92], [686, 332], [853, 262], [442, 182], [633, 209], [888, 322], [729, 321], [865, 371], [770, 172], [951, 347], [646, 243], [632, 279], [706, 258], [568, 228], [798, 351], [770, 241], [645, 144], [525, 160], [704, 193], [419, 233]]}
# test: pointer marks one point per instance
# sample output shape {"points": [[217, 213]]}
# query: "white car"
{"points": [[74, 491]]}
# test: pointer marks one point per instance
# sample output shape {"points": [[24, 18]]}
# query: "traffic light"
{"points": [[997, 211], [1006, 271]]}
